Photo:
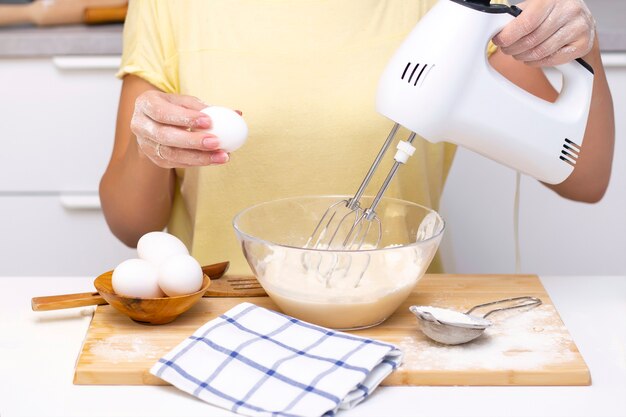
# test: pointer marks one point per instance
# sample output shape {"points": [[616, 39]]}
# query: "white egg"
{"points": [[136, 278], [180, 275], [157, 247], [230, 128]]}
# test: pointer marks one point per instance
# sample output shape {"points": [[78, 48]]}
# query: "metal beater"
{"points": [[359, 228]]}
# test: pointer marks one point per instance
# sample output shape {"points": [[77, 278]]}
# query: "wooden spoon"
{"points": [[235, 286], [57, 302]]}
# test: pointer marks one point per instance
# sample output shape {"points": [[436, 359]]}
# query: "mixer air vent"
{"points": [[414, 72], [570, 152]]}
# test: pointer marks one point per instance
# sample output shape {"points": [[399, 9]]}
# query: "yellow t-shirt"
{"points": [[305, 74]]}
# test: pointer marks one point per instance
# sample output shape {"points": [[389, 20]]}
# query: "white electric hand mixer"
{"points": [[440, 85]]}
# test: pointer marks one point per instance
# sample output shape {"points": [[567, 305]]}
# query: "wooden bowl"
{"points": [[160, 310]]}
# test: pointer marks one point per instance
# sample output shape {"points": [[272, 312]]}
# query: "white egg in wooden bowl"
{"points": [[180, 275], [157, 247], [162, 283], [160, 310], [136, 278], [133, 288]]}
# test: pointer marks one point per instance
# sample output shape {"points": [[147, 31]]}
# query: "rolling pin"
{"points": [[97, 16], [55, 12]]}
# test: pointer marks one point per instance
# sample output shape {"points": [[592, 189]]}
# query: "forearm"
{"points": [[591, 176], [136, 195], [155, 133], [553, 32]]}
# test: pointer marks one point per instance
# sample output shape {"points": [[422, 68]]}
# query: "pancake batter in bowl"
{"points": [[357, 294]]}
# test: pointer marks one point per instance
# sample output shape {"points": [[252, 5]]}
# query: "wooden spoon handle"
{"points": [[57, 302]]}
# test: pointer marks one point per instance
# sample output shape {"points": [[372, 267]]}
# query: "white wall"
{"points": [[557, 236]]}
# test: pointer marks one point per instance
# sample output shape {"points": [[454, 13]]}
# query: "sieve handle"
{"points": [[519, 302]]}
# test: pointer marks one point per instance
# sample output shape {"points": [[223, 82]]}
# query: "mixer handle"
{"points": [[516, 11], [575, 95]]}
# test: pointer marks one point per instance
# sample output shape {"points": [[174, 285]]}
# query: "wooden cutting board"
{"points": [[529, 348]]}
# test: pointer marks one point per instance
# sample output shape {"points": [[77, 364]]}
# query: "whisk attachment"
{"points": [[354, 201], [358, 234], [347, 226], [333, 220], [324, 232], [361, 229]]}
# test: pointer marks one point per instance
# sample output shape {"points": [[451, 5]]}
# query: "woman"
{"points": [[304, 73]]}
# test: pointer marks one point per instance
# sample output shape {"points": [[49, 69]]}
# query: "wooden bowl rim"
{"points": [[107, 276]]}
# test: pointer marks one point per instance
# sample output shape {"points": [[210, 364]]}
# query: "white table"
{"points": [[38, 352]]}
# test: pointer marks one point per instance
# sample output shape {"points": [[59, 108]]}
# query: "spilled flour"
{"points": [[516, 341], [125, 348]]}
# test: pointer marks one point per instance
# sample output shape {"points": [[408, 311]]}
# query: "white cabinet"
{"points": [[557, 236], [49, 235], [58, 121]]}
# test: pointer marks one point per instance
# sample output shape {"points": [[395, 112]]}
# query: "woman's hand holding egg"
{"points": [[228, 126], [164, 268], [173, 132]]}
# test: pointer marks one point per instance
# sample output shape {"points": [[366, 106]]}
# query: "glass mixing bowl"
{"points": [[339, 289]]}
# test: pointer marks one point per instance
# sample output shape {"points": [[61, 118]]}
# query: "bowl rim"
{"points": [[338, 197]]}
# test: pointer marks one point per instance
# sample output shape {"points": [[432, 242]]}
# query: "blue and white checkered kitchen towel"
{"points": [[258, 362]]}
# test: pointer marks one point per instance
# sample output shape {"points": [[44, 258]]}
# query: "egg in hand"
{"points": [[229, 127]]}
